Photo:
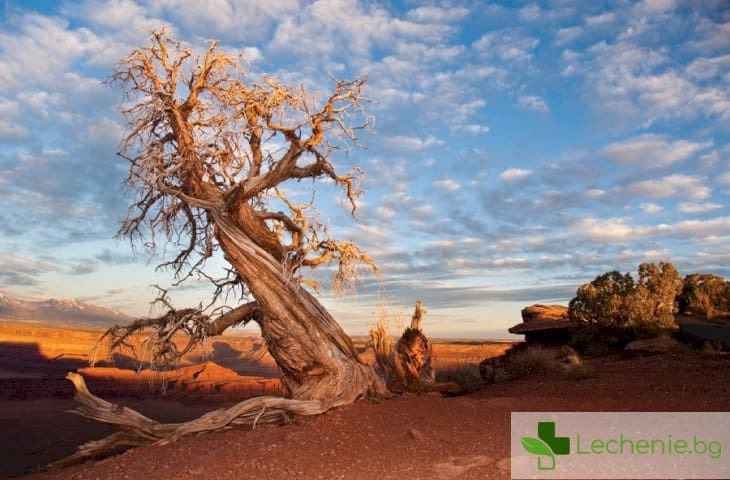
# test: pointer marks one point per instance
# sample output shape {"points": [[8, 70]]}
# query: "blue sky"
{"points": [[520, 149]]}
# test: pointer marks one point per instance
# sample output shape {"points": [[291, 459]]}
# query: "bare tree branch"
{"points": [[196, 149], [165, 331]]}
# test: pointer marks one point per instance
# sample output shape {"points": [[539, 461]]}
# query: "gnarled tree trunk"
{"points": [[315, 356]]}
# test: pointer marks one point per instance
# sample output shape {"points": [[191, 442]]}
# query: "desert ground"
{"points": [[427, 436]]}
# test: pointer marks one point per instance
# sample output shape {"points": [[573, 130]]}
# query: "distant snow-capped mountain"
{"points": [[61, 312]]}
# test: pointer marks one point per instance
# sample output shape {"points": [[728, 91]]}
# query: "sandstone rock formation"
{"points": [[544, 324]]}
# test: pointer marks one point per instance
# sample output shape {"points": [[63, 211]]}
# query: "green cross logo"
{"points": [[546, 444]]}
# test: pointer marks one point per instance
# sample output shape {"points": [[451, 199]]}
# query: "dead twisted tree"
{"points": [[212, 155], [209, 156]]}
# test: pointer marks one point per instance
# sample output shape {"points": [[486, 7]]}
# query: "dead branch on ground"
{"points": [[135, 429]]}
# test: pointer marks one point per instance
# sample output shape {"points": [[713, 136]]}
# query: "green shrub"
{"points": [[644, 307], [705, 295]]}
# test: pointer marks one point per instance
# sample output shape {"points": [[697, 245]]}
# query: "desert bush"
{"points": [[579, 371], [705, 295], [644, 307], [531, 362], [465, 374], [652, 304], [602, 301]]}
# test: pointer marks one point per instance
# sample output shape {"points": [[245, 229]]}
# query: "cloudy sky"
{"points": [[520, 150]]}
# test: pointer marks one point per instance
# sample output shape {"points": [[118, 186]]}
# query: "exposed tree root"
{"points": [[136, 429]]}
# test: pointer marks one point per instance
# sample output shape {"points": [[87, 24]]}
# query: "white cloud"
{"points": [[473, 128], [447, 185], [402, 142], [652, 151], [112, 14], [601, 19], [532, 102], [706, 68], [10, 126], [327, 27], [655, 6], [44, 49], [515, 174], [656, 254], [20, 270], [644, 85], [651, 207], [534, 240], [567, 35], [508, 45], [614, 229], [252, 54], [675, 185], [725, 178], [712, 36], [502, 262], [692, 207], [709, 159], [433, 14], [717, 258], [504, 245], [705, 228], [530, 13], [422, 212], [384, 213], [234, 20], [595, 192], [478, 178]]}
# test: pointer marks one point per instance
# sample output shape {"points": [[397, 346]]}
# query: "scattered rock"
{"points": [[417, 435], [660, 344]]}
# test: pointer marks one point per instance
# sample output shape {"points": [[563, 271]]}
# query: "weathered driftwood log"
{"points": [[406, 365], [136, 429]]}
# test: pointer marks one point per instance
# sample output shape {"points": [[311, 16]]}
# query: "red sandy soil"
{"points": [[34, 398], [416, 436]]}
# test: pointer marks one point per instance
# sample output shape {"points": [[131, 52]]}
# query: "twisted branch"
{"points": [[192, 323], [136, 430]]}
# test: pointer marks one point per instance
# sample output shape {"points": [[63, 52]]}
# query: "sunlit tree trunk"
{"points": [[315, 356]]}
